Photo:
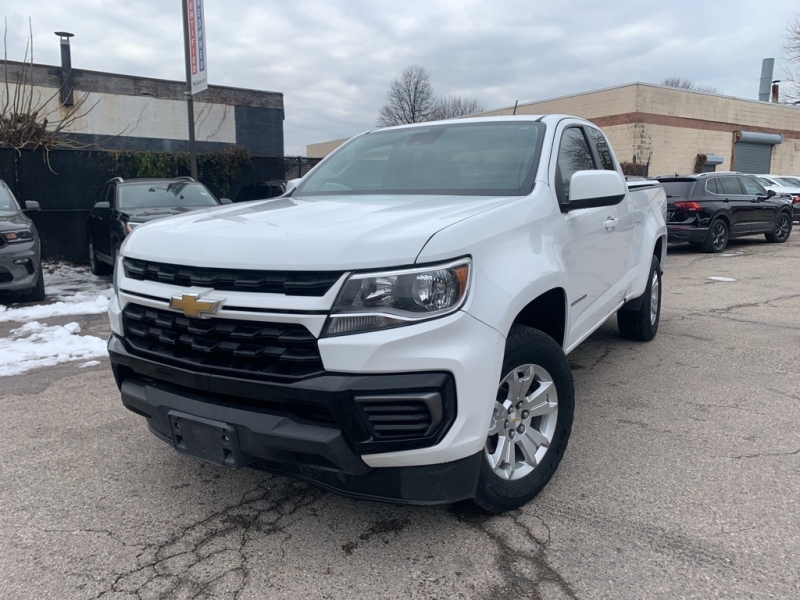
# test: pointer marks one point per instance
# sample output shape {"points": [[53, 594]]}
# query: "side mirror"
{"points": [[32, 206], [225, 201], [771, 193], [590, 189], [102, 205]]}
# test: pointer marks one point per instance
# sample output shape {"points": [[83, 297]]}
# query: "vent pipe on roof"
{"points": [[66, 69], [767, 68], [775, 90]]}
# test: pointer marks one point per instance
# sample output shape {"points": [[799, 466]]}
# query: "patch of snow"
{"points": [[37, 345], [63, 280], [82, 303], [716, 278], [91, 363]]}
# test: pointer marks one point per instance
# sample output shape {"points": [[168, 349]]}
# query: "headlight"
{"points": [[14, 237], [131, 225], [370, 301]]}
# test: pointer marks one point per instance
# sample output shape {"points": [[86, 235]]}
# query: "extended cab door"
{"points": [[596, 248]]}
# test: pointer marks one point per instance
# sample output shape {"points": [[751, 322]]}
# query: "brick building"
{"points": [[674, 130]]}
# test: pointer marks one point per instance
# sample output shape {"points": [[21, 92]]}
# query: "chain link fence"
{"points": [[66, 189]]}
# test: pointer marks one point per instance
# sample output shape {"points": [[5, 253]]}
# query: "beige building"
{"points": [[677, 131]]}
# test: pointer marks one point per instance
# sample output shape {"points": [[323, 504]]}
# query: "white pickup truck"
{"points": [[396, 326]]}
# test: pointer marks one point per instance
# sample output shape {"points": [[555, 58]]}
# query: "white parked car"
{"points": [[396, 326]]}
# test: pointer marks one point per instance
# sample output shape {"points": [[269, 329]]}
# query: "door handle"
{"points": [[610, 223]]}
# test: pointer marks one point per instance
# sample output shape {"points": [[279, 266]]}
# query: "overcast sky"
{"points": [[333, 61]]}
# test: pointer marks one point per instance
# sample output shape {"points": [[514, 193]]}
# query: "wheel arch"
{"points": [[546, 313]]}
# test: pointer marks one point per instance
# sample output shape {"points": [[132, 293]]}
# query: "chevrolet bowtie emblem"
{"points": [[193, 306]]}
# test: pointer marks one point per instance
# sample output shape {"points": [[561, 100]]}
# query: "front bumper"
{"points": [[296, 441], [21, 263]]}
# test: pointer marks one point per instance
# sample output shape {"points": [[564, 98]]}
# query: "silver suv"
{"points": [[20, 249]]}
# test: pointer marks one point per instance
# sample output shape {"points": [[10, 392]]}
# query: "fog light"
{"points": [[402, 416]]}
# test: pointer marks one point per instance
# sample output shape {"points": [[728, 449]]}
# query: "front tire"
{"points": [[36, 294], [783, 228], [531, 422], [98, 268], [641, 325]]}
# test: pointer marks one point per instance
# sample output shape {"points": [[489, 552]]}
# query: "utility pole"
{"points": [[188, 92]]}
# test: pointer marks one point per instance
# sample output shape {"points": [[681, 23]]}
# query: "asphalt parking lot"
{"points": [[682, 479]]}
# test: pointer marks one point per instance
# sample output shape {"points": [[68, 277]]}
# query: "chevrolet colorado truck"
{"points": [[396, 326]]}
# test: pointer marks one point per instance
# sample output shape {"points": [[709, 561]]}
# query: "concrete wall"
{"points": [[124, 112]]}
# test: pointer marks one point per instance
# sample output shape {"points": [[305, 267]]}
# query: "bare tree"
{"points": [[409, 99], [791, 49], [456, 105], [684, 83], [27, 119]]}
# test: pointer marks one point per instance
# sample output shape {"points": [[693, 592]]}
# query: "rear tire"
{"points": [[783, 229], [531, 422], [641, 325], [717, 238]]}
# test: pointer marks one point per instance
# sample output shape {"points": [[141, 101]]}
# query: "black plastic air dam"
{"points": [[265, 436], [291, 443]]}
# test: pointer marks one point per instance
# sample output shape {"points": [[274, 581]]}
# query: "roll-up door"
{"points": [[753, 151]]}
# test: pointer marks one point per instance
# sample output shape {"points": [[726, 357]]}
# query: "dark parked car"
{"points": [[124, 204], [261, 191], [707, 209], [20, 249]]}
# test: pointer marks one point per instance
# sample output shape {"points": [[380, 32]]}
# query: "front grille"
{"points": [[393, 420], [291, 283], [268, 351], [5, 275], [2, 241]]}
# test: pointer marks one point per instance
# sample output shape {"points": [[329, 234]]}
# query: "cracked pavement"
{"points": [[681, 479]]}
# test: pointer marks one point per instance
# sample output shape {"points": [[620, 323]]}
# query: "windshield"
{"points": [[477, 159], [7, 202], [164, 195]]}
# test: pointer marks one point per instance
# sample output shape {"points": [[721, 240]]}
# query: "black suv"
{"points": [[124, 204], [707, 209]]}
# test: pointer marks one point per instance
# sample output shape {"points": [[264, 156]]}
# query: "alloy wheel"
{"points": [[523, 422], [782, 227], [718, 235], [654, 297]]}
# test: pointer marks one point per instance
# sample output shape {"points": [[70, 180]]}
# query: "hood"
{"points": [[317, 233], [13, 220]]}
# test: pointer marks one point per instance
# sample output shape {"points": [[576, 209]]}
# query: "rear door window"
{"points": [[603, 151], [711, 187], [730, 185]]}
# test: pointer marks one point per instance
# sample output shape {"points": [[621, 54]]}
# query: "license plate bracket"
{"points": [[212, 441]]}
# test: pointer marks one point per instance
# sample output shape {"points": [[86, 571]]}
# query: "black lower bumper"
{"points": [[682, 233], [326, 453]]}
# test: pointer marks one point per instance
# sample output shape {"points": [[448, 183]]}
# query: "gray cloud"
{"points": [[333, 61]]}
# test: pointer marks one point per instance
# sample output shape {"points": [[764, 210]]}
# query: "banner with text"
{"points": [[197, 45]]}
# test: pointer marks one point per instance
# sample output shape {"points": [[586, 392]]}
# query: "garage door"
{"points": [[753, 151]]}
